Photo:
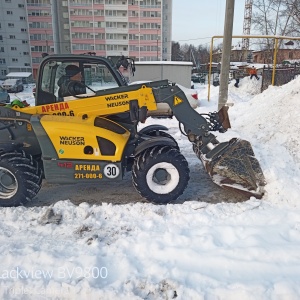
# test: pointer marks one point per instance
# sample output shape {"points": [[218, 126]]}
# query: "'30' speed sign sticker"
{"points": [[111, 171]]}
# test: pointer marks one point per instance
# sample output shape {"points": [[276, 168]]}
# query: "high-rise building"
{"points": [[137, 28], [14, 39]]}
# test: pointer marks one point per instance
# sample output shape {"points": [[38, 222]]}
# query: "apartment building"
{"points": [[137, 28], [14, 39]]}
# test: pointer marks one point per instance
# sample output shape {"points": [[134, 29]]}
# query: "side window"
{"points": [[46, 79], [87, 77], [98, 77], [45, 94]]}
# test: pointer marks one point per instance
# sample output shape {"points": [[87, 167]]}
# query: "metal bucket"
{"points": [[232, 165]]}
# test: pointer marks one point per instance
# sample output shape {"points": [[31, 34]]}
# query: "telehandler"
{"points": [[94, 137]]}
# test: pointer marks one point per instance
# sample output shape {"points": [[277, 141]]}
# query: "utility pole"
{"points": [[157, 30], [225, 62]]}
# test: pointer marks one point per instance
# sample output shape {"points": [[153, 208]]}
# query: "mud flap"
{"points": [[233, 166]]}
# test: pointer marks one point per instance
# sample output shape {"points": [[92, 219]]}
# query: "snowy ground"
{"points": [[195, 250]]}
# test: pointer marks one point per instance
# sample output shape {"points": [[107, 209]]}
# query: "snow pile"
{"points": [[270, 121], [195, 250], [248, 86], [142, 251]]}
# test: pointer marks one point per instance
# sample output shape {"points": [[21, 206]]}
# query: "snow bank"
{"points": [[143, 251], [271, 122], [196, 250]]}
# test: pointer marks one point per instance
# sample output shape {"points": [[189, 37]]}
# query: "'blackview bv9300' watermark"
{"points": [[61, 273]]}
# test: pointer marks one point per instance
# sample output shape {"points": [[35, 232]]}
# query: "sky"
{"points": [[204, 19], [196, 249]]}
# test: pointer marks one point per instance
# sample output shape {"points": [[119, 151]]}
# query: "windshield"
{"points": [[10, 81]]}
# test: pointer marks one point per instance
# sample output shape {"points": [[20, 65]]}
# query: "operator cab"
{"points": [[96, 74]]}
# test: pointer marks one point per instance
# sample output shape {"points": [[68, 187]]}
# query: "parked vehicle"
{"points": [[4, 96], [191, 95], [198, 78], [13, 85]]}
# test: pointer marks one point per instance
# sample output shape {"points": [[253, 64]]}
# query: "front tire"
{"points": [[164, 134], [160, 174], [20, 179]]}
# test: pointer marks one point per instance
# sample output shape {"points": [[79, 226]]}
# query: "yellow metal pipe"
{"points": [[275, 61], [210, 63]]}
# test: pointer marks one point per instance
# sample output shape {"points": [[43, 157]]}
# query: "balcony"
{"points": [[116, 30]]}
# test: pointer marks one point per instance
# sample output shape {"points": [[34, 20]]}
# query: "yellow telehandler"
{"points": [[84, 128]]}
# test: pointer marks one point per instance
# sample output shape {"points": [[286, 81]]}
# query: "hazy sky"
{"points": [[195, 20]]}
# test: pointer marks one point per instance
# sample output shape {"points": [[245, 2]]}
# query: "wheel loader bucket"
{"points": [[233, 166]]}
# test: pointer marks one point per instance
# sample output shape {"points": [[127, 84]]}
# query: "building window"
{"points": [[27, 64], [39, 13], [13, 48], [8, 1], [9, 12], [12, 36], [2, 61], [24, 42], [1, 49], [3, 72], [11, 25], [21, 5], [14, 59], [23, 29], [39, 25], [22, 18], [39, 48], [25, 53]]}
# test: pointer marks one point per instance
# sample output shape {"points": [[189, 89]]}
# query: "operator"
{"points": [[71, 83]]}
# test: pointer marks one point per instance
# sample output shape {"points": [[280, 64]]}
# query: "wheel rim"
{"points": [[162, 178], [8, 184]]}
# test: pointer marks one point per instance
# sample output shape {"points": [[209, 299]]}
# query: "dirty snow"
{"points": [[195, 250]]}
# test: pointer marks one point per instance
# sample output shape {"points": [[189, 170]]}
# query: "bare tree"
{"points": [[196, 55], [275, 17], [292, 9]]}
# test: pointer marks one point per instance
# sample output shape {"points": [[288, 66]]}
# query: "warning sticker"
{"points": [[177, 100]]}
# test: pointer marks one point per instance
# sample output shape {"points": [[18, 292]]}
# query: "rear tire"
{"points": [[160, 174], [20, 178]]}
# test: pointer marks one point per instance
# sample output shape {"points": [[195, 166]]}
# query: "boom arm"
{"points": [[194, 123]]}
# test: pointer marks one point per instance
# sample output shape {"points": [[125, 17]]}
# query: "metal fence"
{"points": [[283, 75]]}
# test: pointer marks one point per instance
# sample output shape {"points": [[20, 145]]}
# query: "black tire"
{"points": [[164, 134], [20, 179], [155, 162]]}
